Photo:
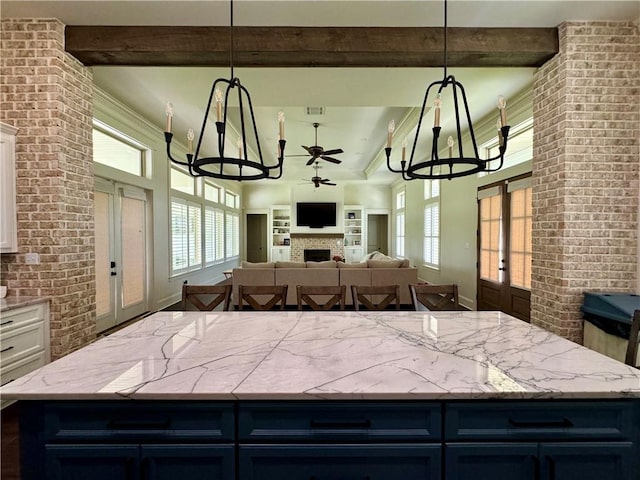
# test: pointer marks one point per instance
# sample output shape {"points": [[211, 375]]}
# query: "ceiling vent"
{"points": [[314, 110]]}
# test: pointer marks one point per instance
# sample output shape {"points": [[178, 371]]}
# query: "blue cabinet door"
{"points": [[588, 461], [340, 462], [97, 462], [492, 461], [187, 462]]}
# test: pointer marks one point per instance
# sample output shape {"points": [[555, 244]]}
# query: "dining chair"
{"points": [[632, 347], [321, 297], [434, 297], [206, 297], [262, 297], [375, 297]]}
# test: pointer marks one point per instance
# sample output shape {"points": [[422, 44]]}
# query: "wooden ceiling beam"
{"points": [[311, 46]]}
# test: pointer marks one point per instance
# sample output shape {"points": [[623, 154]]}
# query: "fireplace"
{"points": [[316, 255]]}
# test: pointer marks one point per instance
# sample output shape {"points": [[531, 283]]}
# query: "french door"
{"points": [[121, 253], [504, 247]]}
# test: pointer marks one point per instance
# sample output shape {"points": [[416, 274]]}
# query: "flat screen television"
{"points": [[316, 214]]}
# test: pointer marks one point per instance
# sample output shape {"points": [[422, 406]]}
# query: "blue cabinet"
{"points": [[549, 461], [544, 440], [145, 462], [331, 440], [340, 462], [132, 441]]}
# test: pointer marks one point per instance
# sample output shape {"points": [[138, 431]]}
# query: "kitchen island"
{"points": [[379, 395]]}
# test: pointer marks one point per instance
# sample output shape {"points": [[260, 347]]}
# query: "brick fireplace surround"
{"points": [[585, 174], [302, 241]]}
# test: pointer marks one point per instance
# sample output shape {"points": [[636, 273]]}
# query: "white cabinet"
{"points": [[280, 254], [354, 233], [280, 233], [8, 223], [24, 341]]}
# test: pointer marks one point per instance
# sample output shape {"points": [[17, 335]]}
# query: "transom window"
{"points": [[115, 150]]}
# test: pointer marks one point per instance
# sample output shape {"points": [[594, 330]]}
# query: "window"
{"points": [[400, 232], [186, 236], [204, 231], [431, 249], [116, 150], [182, 182], [214, 235], [212, 192], [231, 200], [519, 148], [520, 253], [232, 234]]}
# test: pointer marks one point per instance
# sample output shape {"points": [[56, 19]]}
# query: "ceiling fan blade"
{"points": [[329, 183], [331, 159], [311, 160], [333, 152], [306, 155]]}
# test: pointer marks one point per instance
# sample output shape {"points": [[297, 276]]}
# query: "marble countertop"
{"points": [[11, 303], [329, 355]]}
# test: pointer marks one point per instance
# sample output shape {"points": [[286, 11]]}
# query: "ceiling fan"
{"points": [[317, 180], [317, 152]]}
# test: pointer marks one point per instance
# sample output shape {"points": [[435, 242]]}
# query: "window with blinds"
{"points": [[431, 247], [400, 228], [205, 223], [214, 235], [186, 236], [520, 253], [232, 234]]}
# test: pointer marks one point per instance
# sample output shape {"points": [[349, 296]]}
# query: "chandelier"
{"points": [[458, 163], [225, 166]]}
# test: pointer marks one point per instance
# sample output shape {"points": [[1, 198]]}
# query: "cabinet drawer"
{"points": [[12, 319], [133, 421], [341, 421], [21, 342], [21, 367], [349, 462], [542, 420]]}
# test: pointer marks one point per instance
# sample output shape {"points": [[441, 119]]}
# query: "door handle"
{"points": [[113, 274], [502, 269]]}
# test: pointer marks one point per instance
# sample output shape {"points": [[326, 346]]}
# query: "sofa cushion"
{"points": [[258, 265], [291, 265], [352, 265], [327, 264], [384, 263]]}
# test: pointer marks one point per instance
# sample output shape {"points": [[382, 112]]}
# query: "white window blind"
{"points": [[214, 235], [232, 234], [432, 234], [186, 236]]}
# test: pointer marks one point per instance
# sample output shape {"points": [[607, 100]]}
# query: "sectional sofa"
{"points": [[369, 272]]}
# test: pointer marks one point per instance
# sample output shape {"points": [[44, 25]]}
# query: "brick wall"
{"points": [[300, 242], [47, 95], [585, 172]]}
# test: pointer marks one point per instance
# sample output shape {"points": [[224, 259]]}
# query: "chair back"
{"points": [[375, 297], [206, 297], [321, 297], [632, 347], [262, 297], [434, 297]]}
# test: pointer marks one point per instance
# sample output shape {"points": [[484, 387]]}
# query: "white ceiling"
{"points": [[359, 102]]}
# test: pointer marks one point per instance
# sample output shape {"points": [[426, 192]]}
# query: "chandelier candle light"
{"points": [[454, 166], [222, 166]]}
